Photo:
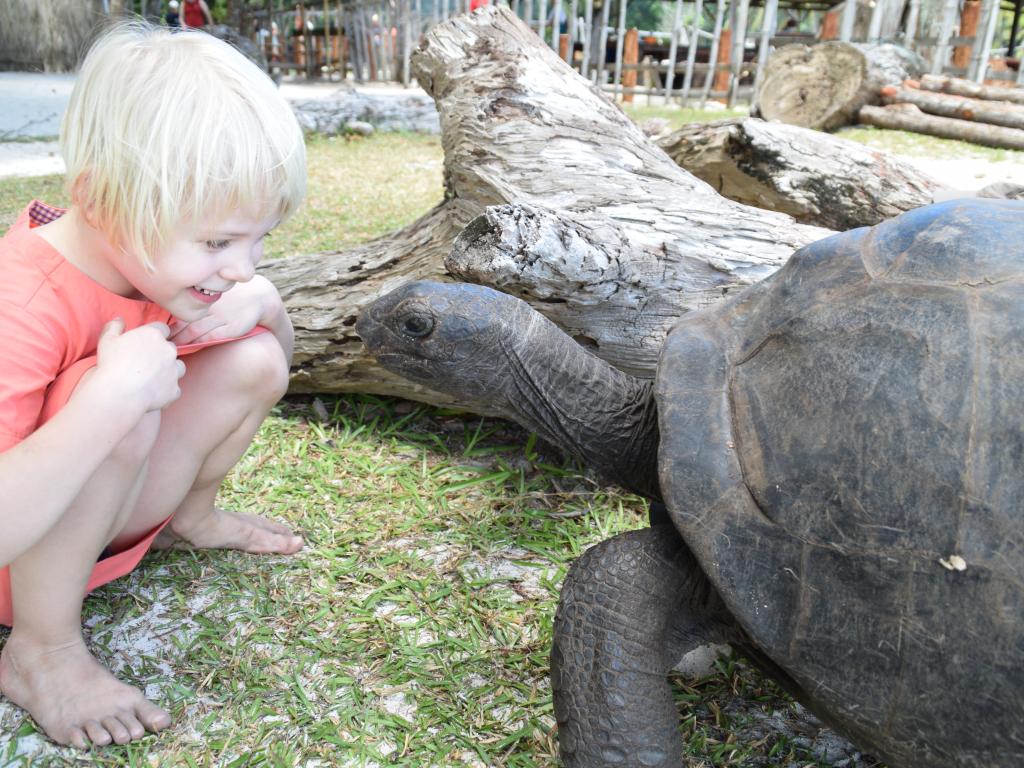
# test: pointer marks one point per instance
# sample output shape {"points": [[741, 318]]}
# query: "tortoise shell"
{"points": [[842, 449]]}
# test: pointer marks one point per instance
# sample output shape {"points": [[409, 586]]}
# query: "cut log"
{"points": [[960, 87], [518, 125], [959, 107], [823, 86], [814, 177], [907, 117]]}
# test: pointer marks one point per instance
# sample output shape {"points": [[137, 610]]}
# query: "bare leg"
{"points": [[227, 392], [45, 667]]}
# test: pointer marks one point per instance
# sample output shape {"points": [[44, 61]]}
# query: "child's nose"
{"points": [[239, 270]]}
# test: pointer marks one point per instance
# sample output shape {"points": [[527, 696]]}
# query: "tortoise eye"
{"points": [[417, 326]]}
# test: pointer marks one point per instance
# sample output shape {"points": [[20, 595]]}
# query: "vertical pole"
{"points": [[1014, 28], [556, 23], [528, 13], [771, 8], [949, 11], [606, 9], [327, 39], [875, 24], [588, 34], [983, 44], [847, 21], [620, 42], [739, 35], [911, 31], [631, 56], [573, 30], [673, 47], [542, 20], [691, 54], [709, 74]]}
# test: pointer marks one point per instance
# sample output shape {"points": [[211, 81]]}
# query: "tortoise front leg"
{"points": [[630, 608]]}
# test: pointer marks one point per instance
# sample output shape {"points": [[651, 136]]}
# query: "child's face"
{"points": [[197, 266]]}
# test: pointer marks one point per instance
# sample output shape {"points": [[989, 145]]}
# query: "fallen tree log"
{"points": [[823, 86], [959, 107], [960, 87], [518, 125], [815, 177], [907, 117]]}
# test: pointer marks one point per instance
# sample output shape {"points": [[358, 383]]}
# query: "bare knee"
{"points": [[259, 369], [135, 447]]}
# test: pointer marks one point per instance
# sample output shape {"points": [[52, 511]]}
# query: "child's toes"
{"points": [[76, 737], [152, 717], [116, 729], [97, 734]]}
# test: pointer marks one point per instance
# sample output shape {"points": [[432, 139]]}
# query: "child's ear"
{"points": [[77, 189]]}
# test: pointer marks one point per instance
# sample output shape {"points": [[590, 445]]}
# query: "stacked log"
{"points": [[959, 87], [937, 112], [814, 177], [823, 86]]}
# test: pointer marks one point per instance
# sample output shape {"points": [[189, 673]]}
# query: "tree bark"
{"points": [[907, 117], [814, 177], [960, 87], [518, 125], [959, 107], [823, 86]]}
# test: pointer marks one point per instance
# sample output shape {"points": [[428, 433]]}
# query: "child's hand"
{"points": [[236, 312], [140, 365]]}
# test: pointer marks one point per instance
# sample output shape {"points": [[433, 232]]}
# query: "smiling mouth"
{"points": [[205, 292]]}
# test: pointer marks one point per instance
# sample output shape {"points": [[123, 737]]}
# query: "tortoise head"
{"points": [[451, 337]]}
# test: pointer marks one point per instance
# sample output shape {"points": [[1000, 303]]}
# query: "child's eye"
{"points": [[217, 245]]}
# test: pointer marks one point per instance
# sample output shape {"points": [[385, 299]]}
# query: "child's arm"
{"points": [[41, 476]]}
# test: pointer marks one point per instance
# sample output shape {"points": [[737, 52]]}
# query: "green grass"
{"points": [[679, 116], [907, 143], [414, 628]]}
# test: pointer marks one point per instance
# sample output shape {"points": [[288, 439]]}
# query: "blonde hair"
{"points": [[166, 129]]}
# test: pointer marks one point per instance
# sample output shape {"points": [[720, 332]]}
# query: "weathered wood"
{"points": [[518, 125], [961, 87], [822, 86], [960, 107], [907, 117], [815, 177]]}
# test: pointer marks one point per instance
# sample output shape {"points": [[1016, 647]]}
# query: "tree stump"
{"points": [[815, 177], [520, 127], [823, 86]]}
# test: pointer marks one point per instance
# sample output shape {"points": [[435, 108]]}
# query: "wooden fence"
{"points": [[713, 49]]}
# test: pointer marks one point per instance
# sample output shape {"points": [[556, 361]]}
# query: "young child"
{"points": [[139, 352]]}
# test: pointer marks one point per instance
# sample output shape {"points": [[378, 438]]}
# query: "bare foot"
{"points": [[73, 697], [223, 529]]}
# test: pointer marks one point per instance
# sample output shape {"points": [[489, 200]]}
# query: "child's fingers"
{"points": [[163, 328], [111, 330]]}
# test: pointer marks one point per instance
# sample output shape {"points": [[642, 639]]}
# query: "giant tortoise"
{"points": [[841, 451]]}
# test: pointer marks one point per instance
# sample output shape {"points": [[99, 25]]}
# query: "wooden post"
{"points": [[630, 55], [673, 47], [983, 43], [875, 24], [721, 79], [528, 13], [949, 11], [711, 73], [847, 21], [1011, 47], [913, 11], [620, 40], [691, 53], [969, 17], [588, 35], [771, 8], [542, 20], [556, 24], [573, 31], [830, 26], [606, 10], [739, 36]]}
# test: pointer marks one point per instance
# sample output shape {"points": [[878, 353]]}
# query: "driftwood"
{"points": [[815, 177], [960, 87], [823, 86], [519, 126], [907, 117], [959, 107]]}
